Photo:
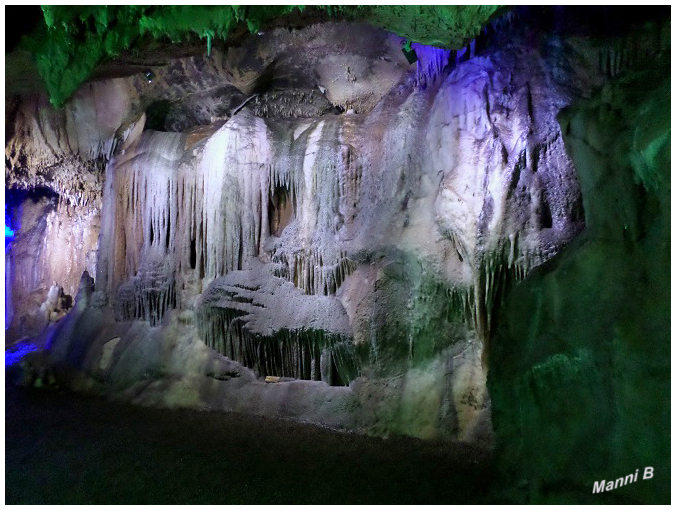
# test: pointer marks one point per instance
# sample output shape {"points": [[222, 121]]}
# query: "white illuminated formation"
{"points": [[463, 182]]}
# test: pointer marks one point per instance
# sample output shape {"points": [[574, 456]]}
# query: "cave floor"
{"points": [[64, 448]]}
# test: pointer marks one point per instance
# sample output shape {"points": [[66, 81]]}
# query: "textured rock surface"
{"points": [[358, 222], [343, 65], [72, 40], [584, 342], [403, 226], [66, 149], [54, 243], [267, 323]]}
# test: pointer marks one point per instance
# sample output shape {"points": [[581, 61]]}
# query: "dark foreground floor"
{"points": [[65, 448]]}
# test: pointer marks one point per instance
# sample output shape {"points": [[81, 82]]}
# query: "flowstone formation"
{"points": [[272, 326], [54, 243], [309, 208]]}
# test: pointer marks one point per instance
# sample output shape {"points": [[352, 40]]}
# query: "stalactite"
{"points": [[232, 187], [494, 274], [431, 63], [223, 195], [233, 177], [137, 242], [310, 272], [148, 295]]}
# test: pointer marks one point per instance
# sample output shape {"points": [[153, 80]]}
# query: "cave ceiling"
{"points": [[76, 43]]}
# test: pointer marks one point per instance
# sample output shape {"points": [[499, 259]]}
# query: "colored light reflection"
{"points": [[14, 355]]}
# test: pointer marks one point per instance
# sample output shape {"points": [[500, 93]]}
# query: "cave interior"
{"points": [[447, 223]]}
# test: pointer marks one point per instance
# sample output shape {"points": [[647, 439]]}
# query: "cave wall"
{"points": [[303, 207], [54, 242], [580, 372], [409, 221]]}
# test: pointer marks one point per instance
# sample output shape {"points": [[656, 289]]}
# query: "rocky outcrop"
{"points": [[268, 324], [580, 362], [67, 149]]}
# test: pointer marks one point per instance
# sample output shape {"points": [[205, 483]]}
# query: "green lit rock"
{"points": [[445, 26], [580, 366], [75, 39]]}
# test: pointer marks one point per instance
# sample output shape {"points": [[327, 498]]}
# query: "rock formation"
{"points": [[573, 347], [369, 235]]}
